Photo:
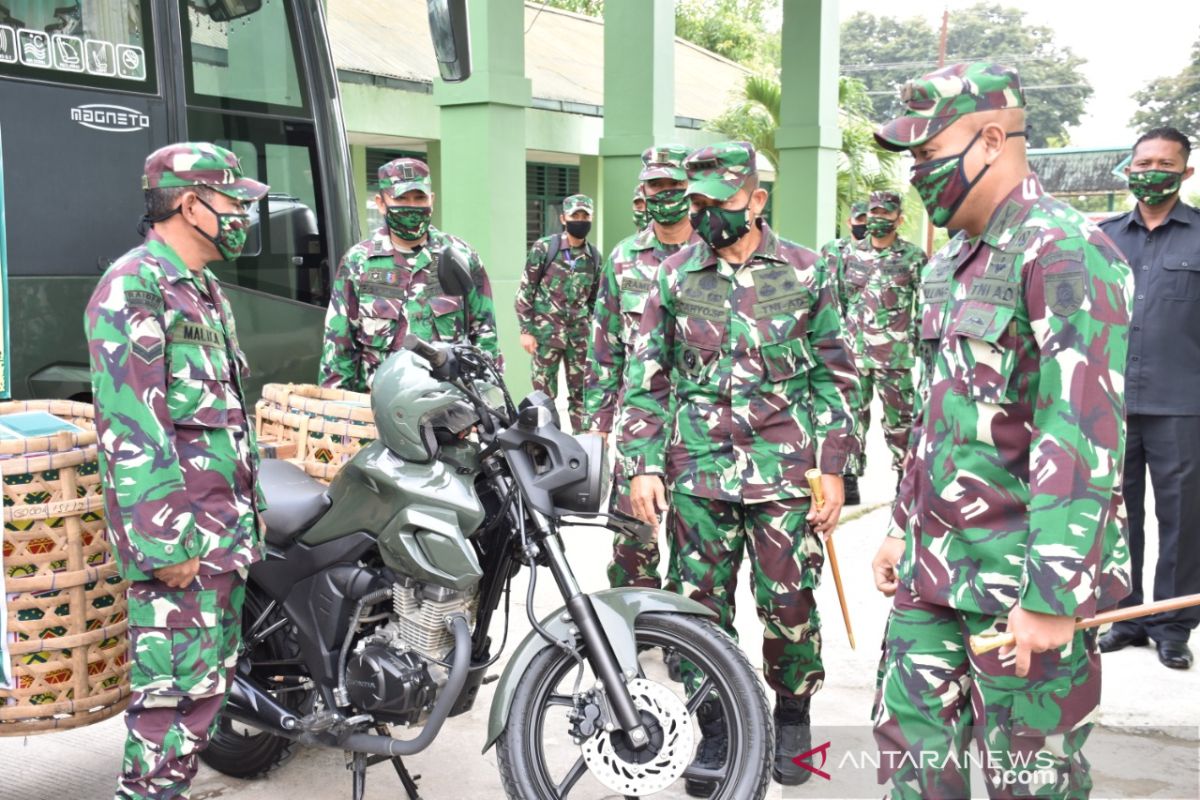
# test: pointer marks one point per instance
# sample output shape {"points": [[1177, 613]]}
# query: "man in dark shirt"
{"points": [[1161, 240]]}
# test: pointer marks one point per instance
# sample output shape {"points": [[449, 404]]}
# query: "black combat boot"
{"points": [[793, 736], [850, 484], [711, 752]]}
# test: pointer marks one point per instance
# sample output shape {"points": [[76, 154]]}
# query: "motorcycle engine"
{"points": [[392, 673]]}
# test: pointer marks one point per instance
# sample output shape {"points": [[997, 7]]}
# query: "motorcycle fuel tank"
{"points": [[422, 515]]}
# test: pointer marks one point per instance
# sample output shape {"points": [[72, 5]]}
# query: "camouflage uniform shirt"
{"points": [[754, 361], [381, 294], [625, 283], [176, 447], [878, 293], [1013, 493], [561, 303]]}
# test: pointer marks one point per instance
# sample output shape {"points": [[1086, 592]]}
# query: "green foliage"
{"points": [[735, 29], [885, 52], [1173, 101]]}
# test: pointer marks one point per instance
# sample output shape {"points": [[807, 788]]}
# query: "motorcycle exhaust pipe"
{"points": [[386, 745], [251, 705]]}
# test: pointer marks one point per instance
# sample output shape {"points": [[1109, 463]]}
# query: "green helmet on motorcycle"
{"points": [[411, 407]]}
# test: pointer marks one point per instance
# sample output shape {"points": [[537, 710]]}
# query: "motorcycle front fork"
{"points": [[599, 650]]}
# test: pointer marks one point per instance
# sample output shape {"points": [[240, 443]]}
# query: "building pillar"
{"points": [[482, 161], [808, 137], [639, 101], [591, 183]]}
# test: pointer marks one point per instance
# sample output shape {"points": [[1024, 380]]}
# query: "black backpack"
{"points": [[593, 254]]}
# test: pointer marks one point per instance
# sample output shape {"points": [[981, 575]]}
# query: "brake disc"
{"points": [[626, 771]]}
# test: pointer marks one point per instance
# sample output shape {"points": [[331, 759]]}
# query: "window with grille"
{"points": [[545, 187]]}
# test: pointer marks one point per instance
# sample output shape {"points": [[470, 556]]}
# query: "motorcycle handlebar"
{"points": [[434, 356]]}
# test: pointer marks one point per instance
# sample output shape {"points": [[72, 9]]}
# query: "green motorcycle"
{"points": [[375, 606]]}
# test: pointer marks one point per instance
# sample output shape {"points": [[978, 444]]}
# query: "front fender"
{"points": [[617, 609]]}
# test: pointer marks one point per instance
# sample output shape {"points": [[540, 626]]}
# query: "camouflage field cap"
{"points": [[858, 209], [639, 192], [577, 202], [935, 101], [886, 199], [402, 175], [720, 170], [664, 161], [200, 164]]}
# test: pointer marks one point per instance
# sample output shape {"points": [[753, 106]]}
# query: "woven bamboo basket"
{"points": [[66, 604], [317, 428]]}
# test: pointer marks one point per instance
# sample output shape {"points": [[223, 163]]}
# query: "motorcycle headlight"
{"points": [[586, 495]]}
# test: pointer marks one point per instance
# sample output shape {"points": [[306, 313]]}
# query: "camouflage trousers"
{"points": [[184, 647], [635, 562], [896, 393], [785, 566], [935, 696], [574, 360]]}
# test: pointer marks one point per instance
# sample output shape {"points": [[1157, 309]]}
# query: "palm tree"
{"points": [[863, 165]]}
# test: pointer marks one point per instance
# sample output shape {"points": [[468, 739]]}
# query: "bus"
{"points": [[88, 88]]}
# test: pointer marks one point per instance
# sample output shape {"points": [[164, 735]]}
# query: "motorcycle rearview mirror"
{"points": [[453, 273], [455, 278]]}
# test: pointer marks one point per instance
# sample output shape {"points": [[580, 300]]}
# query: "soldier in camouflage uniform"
{"points": [[1010, 514], [641, 217], [877, 281], [387, 286], [554, 305], [740, 381], [177, 450], [625, 282]]}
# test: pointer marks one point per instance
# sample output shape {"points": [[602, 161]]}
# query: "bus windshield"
{"points": [[247, 63]]}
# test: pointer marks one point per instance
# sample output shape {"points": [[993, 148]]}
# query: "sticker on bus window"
{"points": [[8, 45], [35, 48], [99, 57], [131, 62], [68, 53]]}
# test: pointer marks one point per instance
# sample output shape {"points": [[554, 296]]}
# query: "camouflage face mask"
{"points": [[668, 206], [1154, 186], [942, 183], [721, 227], [641, 219], [409, 222], [232, 230], [880, 226]]}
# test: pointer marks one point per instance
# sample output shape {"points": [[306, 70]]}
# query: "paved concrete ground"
{"points": [[1162, 705]]}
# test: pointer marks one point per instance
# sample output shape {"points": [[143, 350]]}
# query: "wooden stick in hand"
{"points": [[818, 499]]}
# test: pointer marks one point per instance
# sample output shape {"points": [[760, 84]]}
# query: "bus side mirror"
{"points": [[226, 10], [453, 273], [451, 38]]}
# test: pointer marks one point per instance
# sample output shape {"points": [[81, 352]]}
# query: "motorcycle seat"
{"points": [[294, 500]]}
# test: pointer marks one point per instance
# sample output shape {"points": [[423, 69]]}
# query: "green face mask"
{"points": [[721, 227], [409, 222], [667, 207], [1154, 186], [641, 219], [880, 226], [232, 230]]}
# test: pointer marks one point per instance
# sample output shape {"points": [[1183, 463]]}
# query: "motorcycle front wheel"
{"points": [[545, 753]]}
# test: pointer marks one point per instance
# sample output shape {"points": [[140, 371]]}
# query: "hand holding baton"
{"points": [[987, 642], [818, 499]]}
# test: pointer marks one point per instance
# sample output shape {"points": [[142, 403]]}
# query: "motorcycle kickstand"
{"points": [[358, 765]]}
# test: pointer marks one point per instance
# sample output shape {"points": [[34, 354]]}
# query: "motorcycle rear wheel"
{"points": [[235, 749]]}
